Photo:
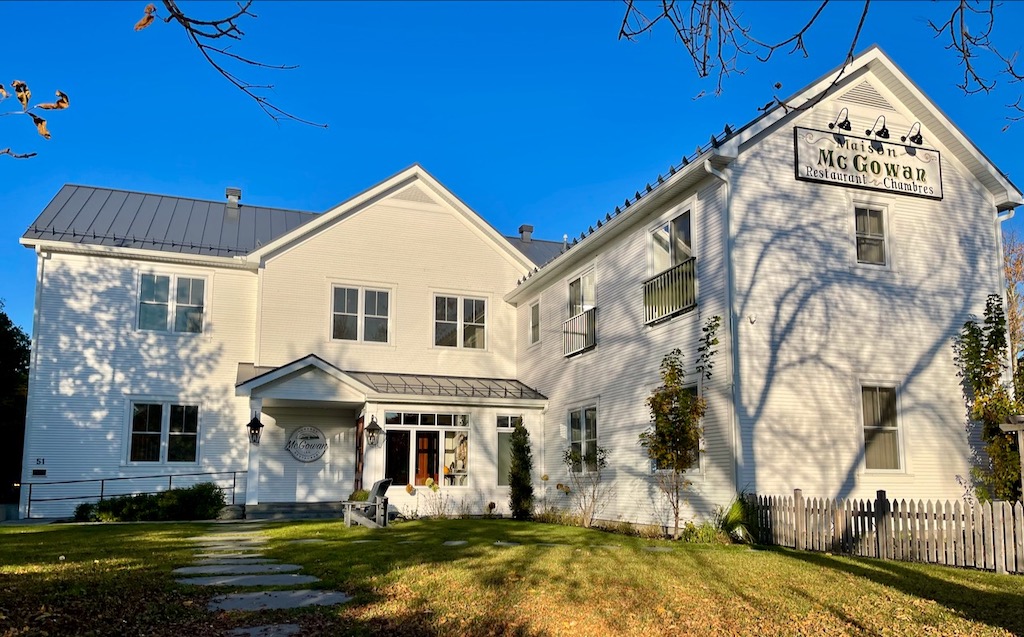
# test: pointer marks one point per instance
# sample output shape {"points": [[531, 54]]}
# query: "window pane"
{"points": [[887, 407], [534, 322], [410, 419], [375, 330], [588, 290], [346, 300], [590, 423], [446, 334], [445, 420], [392, 418], [456, 458], [188, 319], [396, 456], [184, 419], [575, 427], [871, 251], [661, 256], [152, 317], [869, 399], [155, 288], [446, 308], [145, 448], [575, 297], [504, 458], [577, 450], [881, 449], [182, 448], [475, 311], [861, 216], [346, 327], [875, 223], [184, 290], [473, 336], [590, 456], [146, 418], [681, 241]]}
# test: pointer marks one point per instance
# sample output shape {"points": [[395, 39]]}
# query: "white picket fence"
{"points": [[986, 536]]}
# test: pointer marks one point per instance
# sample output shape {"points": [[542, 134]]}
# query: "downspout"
{"points": [[732, 322], [1005, 215]]}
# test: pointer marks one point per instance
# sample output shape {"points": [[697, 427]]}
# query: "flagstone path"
{"points": [[229, 555]]}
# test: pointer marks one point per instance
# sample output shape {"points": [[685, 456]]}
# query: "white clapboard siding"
{"points": [[89, 361], [413, 249], [622, 370], [327, 479], [820, 325]]}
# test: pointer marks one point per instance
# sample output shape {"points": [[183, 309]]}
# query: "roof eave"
{"points": [[185, 258]]}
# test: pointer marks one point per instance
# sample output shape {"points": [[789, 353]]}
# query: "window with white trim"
{"points": [[422, 446], [460, 322], [671, 243], [881, 428], [162, 311], [163, 432], [535, 323], [506, 425], [581, 294], [870, 231], [360, 314], [583, 437]]}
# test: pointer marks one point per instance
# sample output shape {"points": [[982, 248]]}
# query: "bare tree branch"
{"points": [[205, 34]]}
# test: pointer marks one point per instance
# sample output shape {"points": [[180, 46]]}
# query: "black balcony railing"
{"points": [[580, 332], [672, 292]]}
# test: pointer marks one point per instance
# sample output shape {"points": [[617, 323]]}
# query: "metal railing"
{"points": [[103, 483], [580, 332], [672, 292]]}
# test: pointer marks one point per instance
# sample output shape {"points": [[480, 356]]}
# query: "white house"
{"points": [[843, 240]]}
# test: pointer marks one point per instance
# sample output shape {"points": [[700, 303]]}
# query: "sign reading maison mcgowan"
{"points": [[307, 444], [844, 160]]}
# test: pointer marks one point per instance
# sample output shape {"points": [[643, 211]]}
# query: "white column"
{"points": [[252, 478]]}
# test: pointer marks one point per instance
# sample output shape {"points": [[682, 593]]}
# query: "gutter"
{"points": [[235, 263], [732, 322]]}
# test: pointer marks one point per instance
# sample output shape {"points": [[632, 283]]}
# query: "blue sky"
{"points": [[530, 112]]}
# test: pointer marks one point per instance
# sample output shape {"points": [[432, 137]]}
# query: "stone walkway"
{"points": [[230, 555]]}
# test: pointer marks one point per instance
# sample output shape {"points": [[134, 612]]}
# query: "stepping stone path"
{"points": [[230, 556]]}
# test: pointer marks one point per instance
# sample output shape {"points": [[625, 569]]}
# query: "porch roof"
{"points": [[389, 383]]}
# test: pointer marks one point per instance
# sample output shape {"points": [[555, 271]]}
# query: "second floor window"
{"points": [[671, 243], [460, 322], [171, 303], [581, 294], [870, 235], [534, 323], [360, 314]]}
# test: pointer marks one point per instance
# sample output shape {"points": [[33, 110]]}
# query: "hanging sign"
{"points": [[872, 164], [307, 444]]}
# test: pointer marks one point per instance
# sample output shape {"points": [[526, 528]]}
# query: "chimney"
{"points": [[525, 233], [233, 195]]}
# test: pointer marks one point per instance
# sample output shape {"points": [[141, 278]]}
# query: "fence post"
{"points": [[881, 531], [28, 509], [799, 520]]}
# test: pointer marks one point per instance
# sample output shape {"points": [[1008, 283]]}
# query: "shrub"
{"points": [[520, 481], [706, 532], [199, 502], [737, 520], [359, 495]]}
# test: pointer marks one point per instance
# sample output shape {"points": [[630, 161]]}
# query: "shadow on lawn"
{"points": [[999, 609]]}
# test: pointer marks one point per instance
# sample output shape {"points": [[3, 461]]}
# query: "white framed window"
{"points": [[583, 437], [171, 303], [163, 432], [506, 425], [671, 243], [534, 322], [581, 294], [426, 445], [360, 314], [869, 228], [460, 322], [880, 417]]}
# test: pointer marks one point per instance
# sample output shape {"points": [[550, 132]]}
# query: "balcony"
{"points": [[672, 292], [580, 332]]}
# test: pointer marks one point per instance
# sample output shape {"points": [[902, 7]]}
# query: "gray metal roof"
{"points": [[538, 251], [119, 218], [419, 384]]}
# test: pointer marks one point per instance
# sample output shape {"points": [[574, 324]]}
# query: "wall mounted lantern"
{"points": [[883, 132], [373, 432], [255, 429], [914, 139], [843, 125]]}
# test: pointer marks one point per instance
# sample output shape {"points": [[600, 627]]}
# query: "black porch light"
{"points": [[373, 432], [843, 125], [255, 429], [882, 132], [914, 139]]}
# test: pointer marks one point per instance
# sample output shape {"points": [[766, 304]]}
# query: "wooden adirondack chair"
{"points": [[373, 513]]}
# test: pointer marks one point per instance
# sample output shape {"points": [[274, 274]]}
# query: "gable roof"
{"points": [[392, 185], [537, 250], [720, 151], [124, 219]]}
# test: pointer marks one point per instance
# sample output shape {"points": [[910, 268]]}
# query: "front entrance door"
{"points": [[426, 456]]}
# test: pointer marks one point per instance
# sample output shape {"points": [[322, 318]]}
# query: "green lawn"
{"points": [[116, 580]]}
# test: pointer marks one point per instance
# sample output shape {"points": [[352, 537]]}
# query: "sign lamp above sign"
{"points": [[307, 444], [844, 160]]}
